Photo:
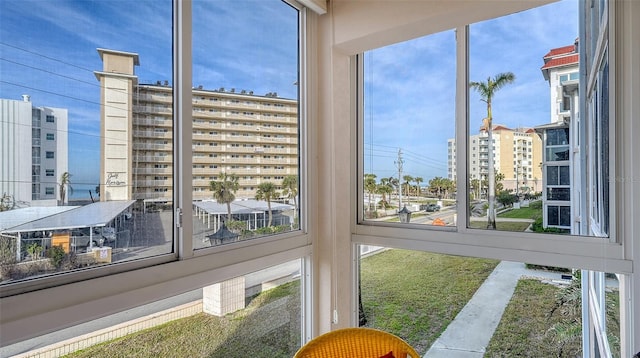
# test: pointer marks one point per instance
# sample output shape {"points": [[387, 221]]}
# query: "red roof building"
{"points": [[560, 57]]}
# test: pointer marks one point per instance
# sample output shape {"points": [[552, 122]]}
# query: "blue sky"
{"points": [[48, 50], [409, 87]]}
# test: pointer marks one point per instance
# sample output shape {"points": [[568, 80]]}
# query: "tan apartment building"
{"points": [[234, 132], [517, 154]]}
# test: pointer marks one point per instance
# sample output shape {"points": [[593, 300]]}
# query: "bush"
{"points": [[57, 256], [537, 227]]}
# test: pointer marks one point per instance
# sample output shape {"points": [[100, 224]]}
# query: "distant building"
{"points": [[561, 162], [33, 152], [517, 155], [235, 132]]}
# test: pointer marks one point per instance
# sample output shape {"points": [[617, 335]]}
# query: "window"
{"points": [[49, 190], [50, 119], [50, 136], [401, 168], [559, 216], [559, 167], [50, 172], [49, 155]]}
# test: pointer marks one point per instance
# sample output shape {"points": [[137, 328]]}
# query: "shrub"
{"points": [[57, 256]]}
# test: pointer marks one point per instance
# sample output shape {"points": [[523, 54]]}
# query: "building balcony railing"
{"points": [[153, 97], [165, 123], [147, 171], [153, 134], [154, 183], [152, 146], [152, 109], [155, 158]]}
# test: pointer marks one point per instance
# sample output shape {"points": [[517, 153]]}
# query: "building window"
{"points": [[49, 190], [50, 136], [50, 119], [49, 155], [559, 216], [50, 172]]}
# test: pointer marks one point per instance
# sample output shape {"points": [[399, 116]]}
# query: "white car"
{"points": [[108, 235]]}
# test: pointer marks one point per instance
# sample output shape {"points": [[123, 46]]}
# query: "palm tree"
{"points": [[267, 191], [394, 183], [384, 188], [65, 182], [418, 180], [224, 190], [407, 181], [370, 187], [475, 187], [487, 90], [290, 190]]}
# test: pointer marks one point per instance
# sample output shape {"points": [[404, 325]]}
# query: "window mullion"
{"points": [[462, 124], [182, 126]]}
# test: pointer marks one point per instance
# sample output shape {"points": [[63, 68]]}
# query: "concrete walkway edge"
{"points": [[470, 332]]}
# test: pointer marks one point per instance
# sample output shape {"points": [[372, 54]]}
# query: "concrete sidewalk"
{"points": [[468, 335]]}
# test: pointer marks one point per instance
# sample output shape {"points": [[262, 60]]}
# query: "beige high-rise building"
{"points": [[234, 132], [517, 155]]}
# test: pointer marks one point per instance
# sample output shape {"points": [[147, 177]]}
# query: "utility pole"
{"points": [[398, 164]]}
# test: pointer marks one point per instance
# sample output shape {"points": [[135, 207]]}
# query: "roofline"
{"points": [[136, 58]]}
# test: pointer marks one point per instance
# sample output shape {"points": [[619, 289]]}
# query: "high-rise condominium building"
{"points": [[517, 154], [234, 131], [561, 160], [33, 153]]}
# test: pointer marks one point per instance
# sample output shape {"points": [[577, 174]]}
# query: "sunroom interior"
{"points": [[334, 38]]}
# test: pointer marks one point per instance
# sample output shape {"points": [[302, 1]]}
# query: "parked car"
{"points": [[80, 238], [108, 235], [432, 207]]}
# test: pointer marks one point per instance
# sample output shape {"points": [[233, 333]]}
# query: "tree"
{"points": [[290, 190], [65, 183], [395, 184], [267, 191], [418, 180], [370, 187], [224, 190], [487, 90], [440, 187], [7, 202], [475, 188], [498, 183], [384, 189], [407, 185]]}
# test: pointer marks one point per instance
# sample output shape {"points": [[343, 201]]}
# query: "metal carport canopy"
{"points": [[247, 206], [91, 215]]}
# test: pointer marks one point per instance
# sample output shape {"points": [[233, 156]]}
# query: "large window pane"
{"points": [[254, 315], [546, 64], [408, 123], [90, 160], [437, 302], [245, 120]]}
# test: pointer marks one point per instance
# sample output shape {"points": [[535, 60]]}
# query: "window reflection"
{"points": [[245, 121], [408, 125], [91, 178]]}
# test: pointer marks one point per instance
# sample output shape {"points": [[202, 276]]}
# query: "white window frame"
{"points": [[575, 251], [606, 254], [80, 296]]}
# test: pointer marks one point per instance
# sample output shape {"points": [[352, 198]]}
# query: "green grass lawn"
{"points": [[412, 294], [501, 226], [534, 211], [246, 333], [527, 325], [415, 295]]}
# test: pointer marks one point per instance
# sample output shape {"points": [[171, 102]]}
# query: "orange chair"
{"points": [[357, 343]]}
